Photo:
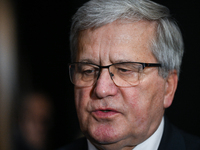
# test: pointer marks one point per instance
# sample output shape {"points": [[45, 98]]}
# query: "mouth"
{"points": [[105, 110], [104, 113]]}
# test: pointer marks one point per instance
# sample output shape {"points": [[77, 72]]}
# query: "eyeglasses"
{"points": [[123, 74]]}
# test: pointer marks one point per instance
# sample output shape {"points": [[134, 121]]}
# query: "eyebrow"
{"points": [[87, 61], [112, 62], [122, 60]]}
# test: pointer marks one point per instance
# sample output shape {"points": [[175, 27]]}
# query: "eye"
{"points": [[88, 71], [124, 70]]}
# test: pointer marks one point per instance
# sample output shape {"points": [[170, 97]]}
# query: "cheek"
{"points": [[141, 103], [135, 105], [132, 97], [82, 97], [153, 97]]}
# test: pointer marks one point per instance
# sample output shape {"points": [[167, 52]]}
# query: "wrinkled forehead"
{"points": [[118, 35]]}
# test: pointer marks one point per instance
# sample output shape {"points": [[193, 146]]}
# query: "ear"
{"points": [[170, 88]]}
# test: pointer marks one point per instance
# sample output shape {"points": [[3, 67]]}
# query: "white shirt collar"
{"points": [[151, 143], [90, 146]]}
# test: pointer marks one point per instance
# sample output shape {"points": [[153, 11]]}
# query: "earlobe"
{"points": [[170, 88]]}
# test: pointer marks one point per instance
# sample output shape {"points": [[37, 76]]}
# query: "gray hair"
{"points": [[167, 46]]}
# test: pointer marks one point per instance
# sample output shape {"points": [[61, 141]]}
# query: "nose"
{"points": [[105, 86]]}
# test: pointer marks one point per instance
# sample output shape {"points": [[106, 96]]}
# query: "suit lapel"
{"points": [[171, 139]]}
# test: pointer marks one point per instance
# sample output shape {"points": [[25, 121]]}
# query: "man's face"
{"points": [[109, 114]]}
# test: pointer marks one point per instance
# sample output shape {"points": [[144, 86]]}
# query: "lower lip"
{"points": [[102, 114]]}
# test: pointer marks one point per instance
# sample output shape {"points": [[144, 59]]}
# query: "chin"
{"points": [[104, 135]]}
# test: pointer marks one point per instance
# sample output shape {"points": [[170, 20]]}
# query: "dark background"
{"points": [[43, 54]]}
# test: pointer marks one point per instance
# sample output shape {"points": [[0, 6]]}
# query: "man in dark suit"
{"points": [[126, 58]]}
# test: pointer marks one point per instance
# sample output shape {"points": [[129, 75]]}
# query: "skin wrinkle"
{"points": [[140, 107]]}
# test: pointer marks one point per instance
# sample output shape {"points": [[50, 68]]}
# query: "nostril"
{"points": [[111, 74]]}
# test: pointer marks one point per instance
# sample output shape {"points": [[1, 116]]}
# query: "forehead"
{"points": [[116, 41]]}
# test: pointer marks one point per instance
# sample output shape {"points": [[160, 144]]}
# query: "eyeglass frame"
{"points": [[101, 67]]}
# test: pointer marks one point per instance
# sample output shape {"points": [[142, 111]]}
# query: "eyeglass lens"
{"points": [[123, 74]]}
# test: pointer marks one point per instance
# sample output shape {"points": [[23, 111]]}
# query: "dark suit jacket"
{"points": [[172, 139]]}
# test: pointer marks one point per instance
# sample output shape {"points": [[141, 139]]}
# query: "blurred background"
{"points": [[34, 53]]}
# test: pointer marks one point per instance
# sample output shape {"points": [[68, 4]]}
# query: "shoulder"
{"points": [[176, 139], [191, 141], [79, 144]]}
